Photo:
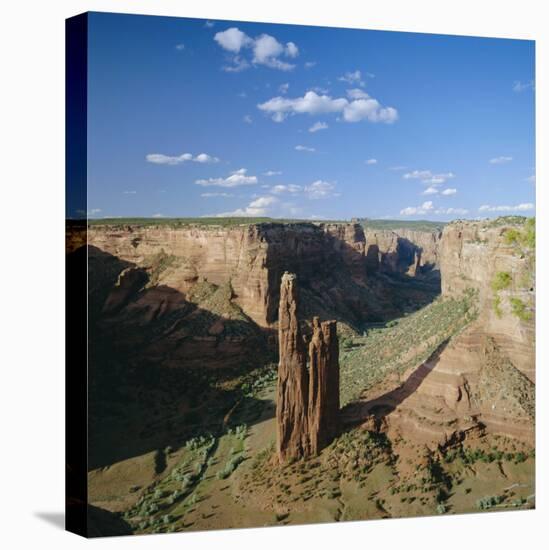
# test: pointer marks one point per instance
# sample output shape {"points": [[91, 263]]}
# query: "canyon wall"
{"points": [[307, 405], [478, 255], [333, 258]]}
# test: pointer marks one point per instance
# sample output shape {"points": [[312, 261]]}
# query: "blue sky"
{"points": [[191, 117]]}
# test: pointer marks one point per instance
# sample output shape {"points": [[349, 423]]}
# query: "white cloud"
{"points": [[283, 88], [304, 148], [209, 24], [272, 173], [266, 50], [371, 161], [430, 191], [425, 208], [258, 207], [320, 189], [212, 195], [130, 192], [318, 126], [519, 86], [180, 47], [504, 208], [313, 104], [357, 93], [232, 40], [247, 119], [427, 177], [352, 78], [158, 216], [203, 158], [158, 158], [449, 191], [290, 188], [456, 211], [291, 49], [309, 64], [500, 160], [236, 179]]}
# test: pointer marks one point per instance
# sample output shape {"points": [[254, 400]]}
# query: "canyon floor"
{"points": [[180, 449]]}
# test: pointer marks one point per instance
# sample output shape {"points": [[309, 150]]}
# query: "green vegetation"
{"points": [[520, 309], [366, 360], [501, 281], [525, 237], [486, 503], [230, 467]]}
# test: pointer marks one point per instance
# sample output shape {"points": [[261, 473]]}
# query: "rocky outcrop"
{"points": [[293, 378], [323, 406], [307, 410]]}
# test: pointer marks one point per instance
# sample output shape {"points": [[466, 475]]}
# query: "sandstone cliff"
{"points": [[482, 379], [307, 409]]}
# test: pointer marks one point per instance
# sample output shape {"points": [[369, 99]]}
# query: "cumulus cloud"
{"points": [[258, 207], [430, 191], [236, 179], [313, 104], [357, 93], [209, 24], [247, 119], [449, 191], [158, 216], [354, 77], [283, 88], [318, 126], [272, 173], [158, 158], [180, 47], [309, 64], [500, 160], [424, 208], [519, 86], [290, 188], [427, 177], [265, 49], [371, 161], [320, 189], [505, 208]]}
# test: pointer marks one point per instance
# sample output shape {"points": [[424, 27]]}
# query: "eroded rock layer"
{"points": [[307, 410]]}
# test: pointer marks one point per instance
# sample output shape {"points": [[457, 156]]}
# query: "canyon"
{"points": [[358, 349]]}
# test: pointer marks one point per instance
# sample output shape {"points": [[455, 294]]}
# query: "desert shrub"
{"points": [[520, 310], [485, 503], [501, 281], [441, 508], [230, 467]]}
